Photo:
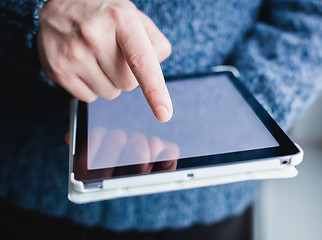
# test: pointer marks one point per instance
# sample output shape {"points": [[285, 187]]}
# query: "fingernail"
{"points": [[162, 113]]}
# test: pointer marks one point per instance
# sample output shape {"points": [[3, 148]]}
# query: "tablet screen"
{"points": [[210, 117]]}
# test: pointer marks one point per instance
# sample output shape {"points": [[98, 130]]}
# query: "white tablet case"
{"points": [[185, 179], [78, 194]]}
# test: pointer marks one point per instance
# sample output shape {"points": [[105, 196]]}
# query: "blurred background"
{"points": [[292, 208]]}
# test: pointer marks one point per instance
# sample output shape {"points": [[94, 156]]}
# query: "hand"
{"points": [[98, 48]]}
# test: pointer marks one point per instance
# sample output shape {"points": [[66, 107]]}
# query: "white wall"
{"points": [[292, 208]]}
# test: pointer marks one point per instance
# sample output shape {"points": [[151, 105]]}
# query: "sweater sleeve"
{"points": [[19, 24], [280, 60]]}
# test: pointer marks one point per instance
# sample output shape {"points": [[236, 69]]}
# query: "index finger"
{"points": [[140, 56]]}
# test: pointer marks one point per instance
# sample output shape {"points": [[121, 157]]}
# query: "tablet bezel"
{"points": [[286, 146]]}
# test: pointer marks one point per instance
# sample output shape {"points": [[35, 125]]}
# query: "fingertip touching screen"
{"points": [[210, 117]]}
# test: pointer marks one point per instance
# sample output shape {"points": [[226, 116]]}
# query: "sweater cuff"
{"points": [[38, 6]]}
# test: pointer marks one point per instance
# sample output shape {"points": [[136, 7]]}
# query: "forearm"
{"points": [[281, 59]]}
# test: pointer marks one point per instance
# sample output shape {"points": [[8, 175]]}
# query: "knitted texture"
{"points": [[276, 45]]}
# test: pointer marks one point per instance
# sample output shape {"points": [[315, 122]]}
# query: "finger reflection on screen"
{"points": [[106, 146], [113, 150]]}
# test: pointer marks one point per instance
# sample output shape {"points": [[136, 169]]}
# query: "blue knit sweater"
{"points": [[277, 47]]}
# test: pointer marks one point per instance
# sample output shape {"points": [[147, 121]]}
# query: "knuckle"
{"points": [[120, 10], [152, 94], [116, 12], [138, 59], [164, 49], [90, 36], [75, 53]]}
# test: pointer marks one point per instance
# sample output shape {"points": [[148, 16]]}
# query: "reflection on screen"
{"points": [[210, 117]]}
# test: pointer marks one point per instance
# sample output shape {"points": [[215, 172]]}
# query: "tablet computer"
{"points": [[218, 134]]}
